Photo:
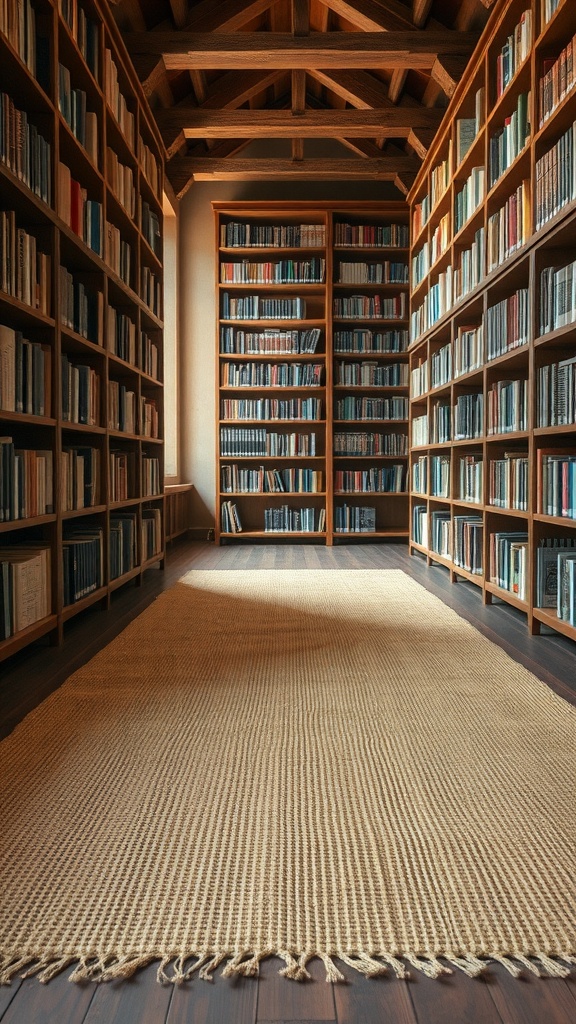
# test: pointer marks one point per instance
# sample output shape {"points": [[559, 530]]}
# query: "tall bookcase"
{"points": [[493, 305], [81, 406], [312, 374]]}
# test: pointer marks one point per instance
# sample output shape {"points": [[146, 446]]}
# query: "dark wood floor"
{"points": [[495, 998]]}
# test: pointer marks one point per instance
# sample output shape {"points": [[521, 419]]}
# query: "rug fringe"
{"points": [[180, 968]]}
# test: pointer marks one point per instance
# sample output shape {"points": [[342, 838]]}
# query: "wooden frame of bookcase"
{"points": [[326, 213], [68, 248], [520, 269]]}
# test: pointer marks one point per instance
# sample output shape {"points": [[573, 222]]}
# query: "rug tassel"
{"points": [[507, 963], [552, 967], [246, 968], [124, 967], [428, 965], [332, 972], [295, 969], [364, 964], [206, 970], [10, 968], [470, 965], [397, 966]]}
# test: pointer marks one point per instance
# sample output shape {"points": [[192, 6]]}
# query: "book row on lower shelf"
{"points": [[352, 519], [26, 569], [459, 539]]}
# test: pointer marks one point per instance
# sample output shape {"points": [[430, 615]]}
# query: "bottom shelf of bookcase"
{"points": [[548, 617], [17, 641], [70, 610], [506, 595]]}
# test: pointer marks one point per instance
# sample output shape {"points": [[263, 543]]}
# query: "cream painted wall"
{"points": [[198, 313]]}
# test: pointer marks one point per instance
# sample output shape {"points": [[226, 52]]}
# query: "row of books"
{"points": [[507, 407], [468, 416], [84, 30], [557, 484], [120, 178], [285, 519], [150, 227], [122, 543], [387, 479], [354, 519], [83, 562], [25, 271], [151, 289], [471, 478], [508, 142], [548, 9], [370, 307], [18, 24], [121, 408], [558, 79], [466, 353], [149, 417], [272, 375], [25, 587], [509, 227], [371, 236], [470, 270], [151, 478], [117, 101], [362, 443], [351, 408], [251, 442], [509, 562], [468, 199], [385, 272], [440, 476], [83, 123], [468, 543], [149, 356], [420, 264], [436, 302], [151, 535], [25, 374], [468, 349], [81, 306], [271, 409], [372, 374], [420, 379], [508, 481], [257, 307], [556, 178], [237, 234], [82, 215], [508, 324], [441, 423], [557, 297], [80, 480], [236, 479], [121, 334], [80, 392], [440, 177], [514, 52], [118, 254], [26, 482], [149, 165], [440, 239], [364, 341], [238, 342], [555, 578], [24, 150], [287, 271], [441, 366], [557, 393], [121, 475]]}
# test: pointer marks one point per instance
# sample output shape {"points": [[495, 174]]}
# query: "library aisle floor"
{"points": [[495, 997]]}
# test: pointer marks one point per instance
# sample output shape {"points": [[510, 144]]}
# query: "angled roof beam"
{"points": [[264, 50], [376, 15], [224, 15], [447, 70]]}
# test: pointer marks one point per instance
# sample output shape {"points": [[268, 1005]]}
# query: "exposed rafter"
{"points": [[375, 15], [393, 122], [258, 50], [224, 15]]}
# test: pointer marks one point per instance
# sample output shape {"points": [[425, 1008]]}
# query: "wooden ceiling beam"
{"points": [[447, 70], [224, 15], [180, 12], [375, 15], [151, 72], [358, 88], [421, 139], [300, 17], [392, 122], [182, 170], [235, 88], [265, 50], [420, 12], [364, 147]]}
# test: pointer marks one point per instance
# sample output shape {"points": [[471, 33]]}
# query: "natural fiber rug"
{"points": [[307, 764]]}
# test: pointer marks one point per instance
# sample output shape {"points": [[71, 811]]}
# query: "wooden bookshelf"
{"points": [[492, 406], [81, 398], [312, 401]]}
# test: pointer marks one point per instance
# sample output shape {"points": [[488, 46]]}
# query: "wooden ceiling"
{"points": [[372, 76]]}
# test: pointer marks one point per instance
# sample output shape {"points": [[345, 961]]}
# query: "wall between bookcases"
{"points": [[198, 311]]}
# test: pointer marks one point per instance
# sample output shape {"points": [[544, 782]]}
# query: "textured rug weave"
{"points": [[307, 764]]}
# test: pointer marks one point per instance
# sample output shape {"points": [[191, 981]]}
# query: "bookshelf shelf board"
{"points": [[550, 618], [371, 494], [274, 533], [558, 122], [514, 513], [9, 525], [444, 560], [73, 153], [542, 517], [24, 417], [370, 320], [476, 506], [119, 581], [514, 358], [273, 494], [506, 595], [418, 547], [315, 322], [371, 248], [395, 388], [503, 105], [248, 422], [473, 577], [560, 336], [441, 261], [70, 610], [566, 429], [151, 256], [380, 458], [27, 636], [149, 563], [273, 357], [504, 438], [26, 315], [465, 442], [384, 356], [262, 250], [88, 510], [560, 27], [313, 388], [78, 343], [83, 428], [371, 286], [293, 288], [466, 233], [389, 534]]}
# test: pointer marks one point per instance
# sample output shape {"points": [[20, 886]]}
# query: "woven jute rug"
{"points": [[302, 764]]}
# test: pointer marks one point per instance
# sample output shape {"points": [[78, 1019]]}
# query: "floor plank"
{"points": [[204, 1002], [7, 994], [363, 1000], [453, 997], [282, 1000], [138, 1000], [59, 1000], [530, 1000]]}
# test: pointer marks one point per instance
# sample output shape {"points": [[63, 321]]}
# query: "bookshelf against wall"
{"points": [[312, 380], [493, 304], [81, 452]]}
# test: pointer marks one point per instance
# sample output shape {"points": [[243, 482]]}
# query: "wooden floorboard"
{"points": [[496, 998]]}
